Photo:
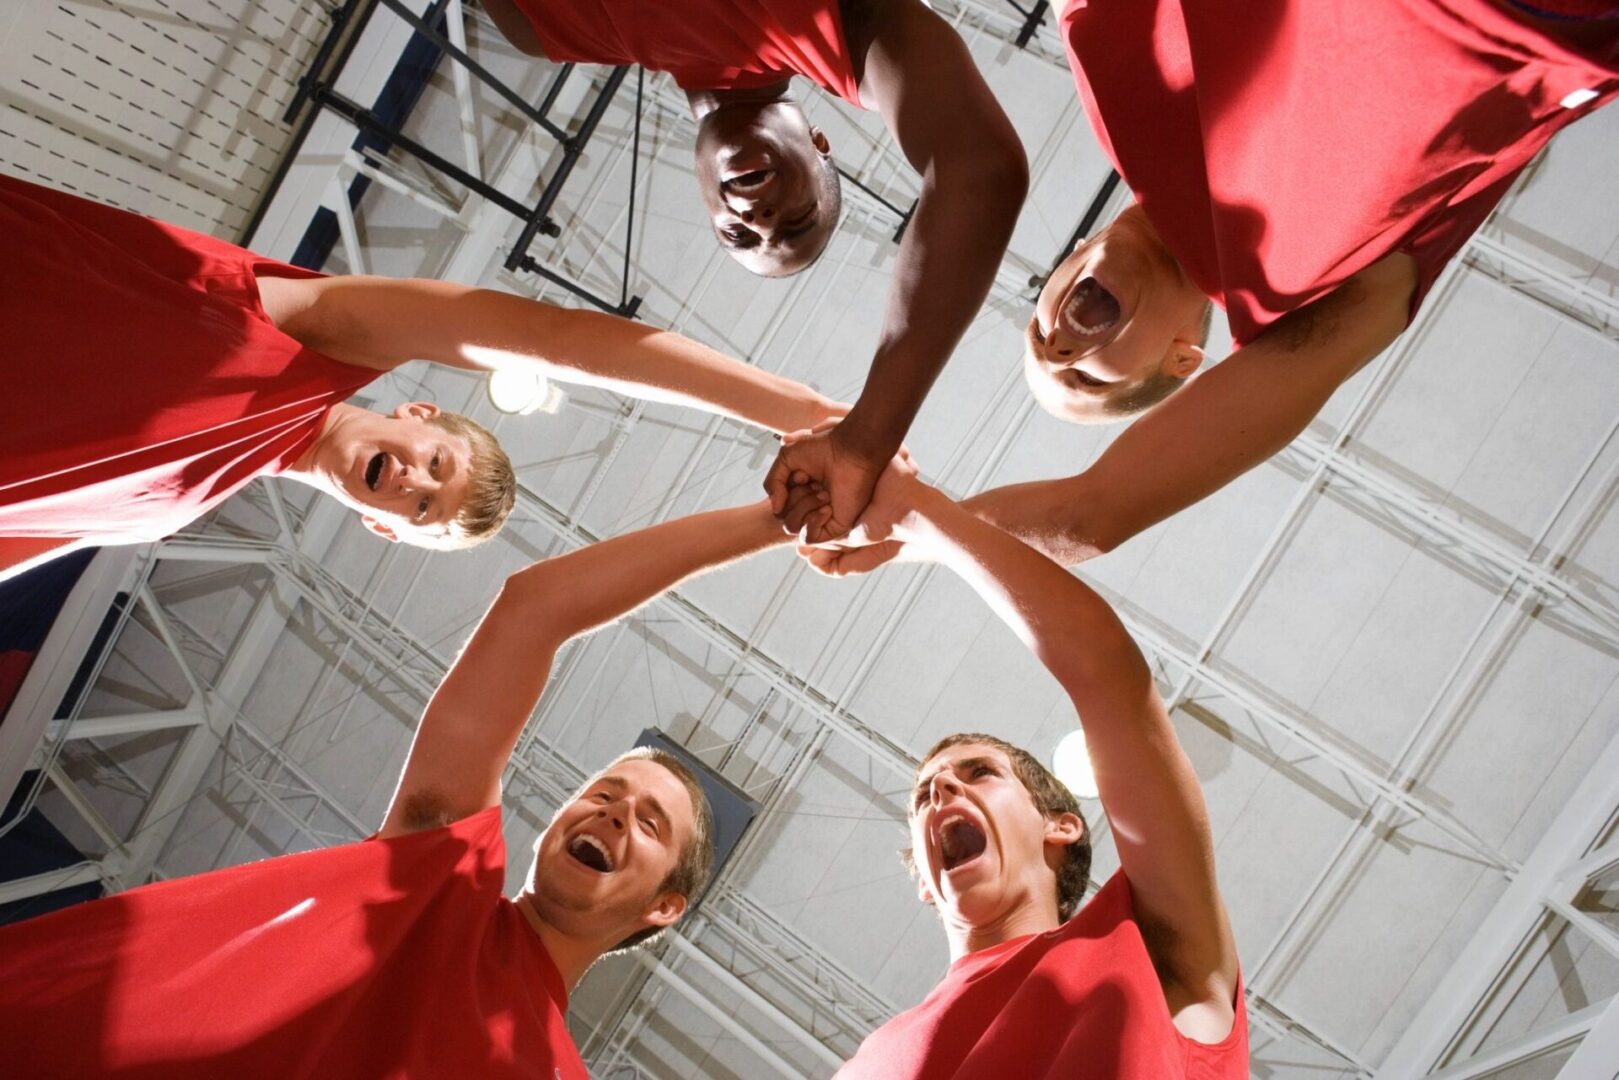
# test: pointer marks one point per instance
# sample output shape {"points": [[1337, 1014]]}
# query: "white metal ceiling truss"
{"points": [[765, 984]]}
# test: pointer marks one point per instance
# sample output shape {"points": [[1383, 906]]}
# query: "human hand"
{"points": [[821, 456], [834, 561]]}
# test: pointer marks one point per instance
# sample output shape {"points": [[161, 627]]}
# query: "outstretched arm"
{"points": [[1231, 418], [919, 73], [474, 719], [1148, 788], [382, 323]]}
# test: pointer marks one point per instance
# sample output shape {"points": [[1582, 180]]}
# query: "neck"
{"points": [[1029, 917], [573, 955], [703, 102], [306, 468]]}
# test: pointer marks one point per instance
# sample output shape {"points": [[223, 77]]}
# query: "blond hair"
{"points": [[491, 486]]}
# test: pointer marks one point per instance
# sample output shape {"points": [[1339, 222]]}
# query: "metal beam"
{"points": [[725, 1020], [1598, 1055], [1439, 1030], [39, 884]]}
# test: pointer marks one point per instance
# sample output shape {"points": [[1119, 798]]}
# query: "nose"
{"points": [[945, 786], [414, 481], [613, 815]]}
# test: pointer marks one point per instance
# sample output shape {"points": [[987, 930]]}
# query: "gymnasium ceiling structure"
{"points": [[1391, 651]]}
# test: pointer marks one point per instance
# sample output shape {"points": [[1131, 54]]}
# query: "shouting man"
{"points": [[399, 956], [1139, 981], [767, 178], [153, 371], [1311, 167]]}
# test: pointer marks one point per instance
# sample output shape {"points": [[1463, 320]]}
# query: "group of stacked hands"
{"points": [[1317, 229]]}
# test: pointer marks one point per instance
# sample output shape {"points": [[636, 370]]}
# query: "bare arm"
{"points": [[974, 174], [1148, 788], [384, 322], [1231, 418], [1228, 420], [475, 717]]}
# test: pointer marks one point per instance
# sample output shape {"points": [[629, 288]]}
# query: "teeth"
{"points": [[584, 840]]}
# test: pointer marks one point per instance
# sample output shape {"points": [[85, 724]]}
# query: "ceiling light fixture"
{"points": [[1071, 762], [518, 392]]}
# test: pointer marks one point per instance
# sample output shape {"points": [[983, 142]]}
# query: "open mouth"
{"points": [[960, 842], [373, 471], [591, 852], [1089, 310]]}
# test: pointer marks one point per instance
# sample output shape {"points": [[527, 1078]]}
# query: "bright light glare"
{"points": [[519, 392], [1072, 764]]}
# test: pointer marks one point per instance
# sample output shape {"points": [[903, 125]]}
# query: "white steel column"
{"points": [[1598, 1055], [1443, 1029]]}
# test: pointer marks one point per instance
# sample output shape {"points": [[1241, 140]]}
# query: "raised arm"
{"points": [[1148, 788], [974, 175], [473, 721], [382, 322], [1231, 418]]}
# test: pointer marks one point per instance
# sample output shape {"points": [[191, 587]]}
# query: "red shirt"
{"points": [[143, 382], [1280, 146], [389, 958], [1081, 1002], [704, 44]]}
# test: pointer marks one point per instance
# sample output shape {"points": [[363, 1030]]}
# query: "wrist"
{"points": [[924, 523], [867, 439]]}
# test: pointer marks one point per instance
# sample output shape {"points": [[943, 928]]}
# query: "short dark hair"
{"points": [[1159, 385], [1051, 797], [695, 866]]}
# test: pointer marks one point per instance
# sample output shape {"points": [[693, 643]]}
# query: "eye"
{"points": [[919, 798], [982, 770], [421, 510], [650, 826], [601, 796], [432, 466]]}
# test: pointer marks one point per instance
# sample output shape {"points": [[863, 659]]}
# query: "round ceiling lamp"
{"points": [[518, 392], [1071, 762]]}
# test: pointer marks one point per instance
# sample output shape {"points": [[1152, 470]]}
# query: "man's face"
{"points": [[983, 851], [600, 865], [764, 177], [1116, 312], [406, 476]]}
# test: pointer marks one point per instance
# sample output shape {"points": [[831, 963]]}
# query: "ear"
{"points": [[666, 910], [1184, 359], [1064, 829], [818, 139], [384, 531], [416, 410], [923, 893]]}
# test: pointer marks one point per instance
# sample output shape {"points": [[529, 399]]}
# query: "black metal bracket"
{"points": [[1092, 214], [1033, 19], [318, 87], [903, 215]]}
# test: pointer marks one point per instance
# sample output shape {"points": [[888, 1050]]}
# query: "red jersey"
{"points": [[389, 958], [1280, 146], [704, 44], [143, 382], [1081, 1002]]}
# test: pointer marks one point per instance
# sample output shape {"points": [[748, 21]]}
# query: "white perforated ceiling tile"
{"points": [[167, 107]]}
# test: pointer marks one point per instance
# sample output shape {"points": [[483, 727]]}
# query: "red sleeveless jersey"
{"points": [[704, 44], [1280, 146], [143, 382], [394, 958], [1081, 1002]]}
